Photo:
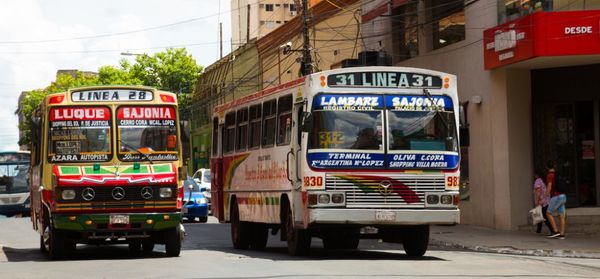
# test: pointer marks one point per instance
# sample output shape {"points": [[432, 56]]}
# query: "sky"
{"points": [[40, 37]]}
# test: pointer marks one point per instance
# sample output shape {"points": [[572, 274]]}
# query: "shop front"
{"points": [[560, 52]]}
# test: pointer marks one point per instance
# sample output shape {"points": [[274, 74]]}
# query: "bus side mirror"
{"points": [[307, 124]]}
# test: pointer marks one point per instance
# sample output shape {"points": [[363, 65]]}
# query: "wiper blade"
{"points": [[136, 149]]}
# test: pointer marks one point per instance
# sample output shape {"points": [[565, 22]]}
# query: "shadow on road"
{"points": [[215, 237]]}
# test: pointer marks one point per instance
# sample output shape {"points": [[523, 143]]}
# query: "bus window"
{"points": [[215, 137], [284, 127], [269, 120], [255, 125], [242, 129], [229, 132]]}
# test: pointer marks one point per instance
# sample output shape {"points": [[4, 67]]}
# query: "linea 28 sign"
{"points": [[384, 80]]}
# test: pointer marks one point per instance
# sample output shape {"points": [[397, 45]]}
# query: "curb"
{"points": [[516, 251]]}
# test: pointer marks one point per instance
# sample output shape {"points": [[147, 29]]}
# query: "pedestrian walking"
{"points": [[542, 199], [555, 188]]}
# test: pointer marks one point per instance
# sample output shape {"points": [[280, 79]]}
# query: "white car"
{"points": [[202, 177]]}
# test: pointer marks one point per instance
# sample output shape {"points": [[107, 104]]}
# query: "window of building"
{"points": [[448, 22], [269, 118], [284, 116], [255, 124], [269, 7], [277, 5], [405, 28], [242, 130], [278, 22], [292, 7], [229, 132]]}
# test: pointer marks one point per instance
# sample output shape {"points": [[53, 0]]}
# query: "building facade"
{"points": [[526, 72], [272, 60]]}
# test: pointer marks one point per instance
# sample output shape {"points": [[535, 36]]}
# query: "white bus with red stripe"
{"points": [[345, 154]]}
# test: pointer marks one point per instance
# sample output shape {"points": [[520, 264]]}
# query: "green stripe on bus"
{"points": [[162, 168], [69, 170], [90, 170], [129, 169]]}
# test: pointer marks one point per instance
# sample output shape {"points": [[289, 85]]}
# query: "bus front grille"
{"points": [[391, 191]]}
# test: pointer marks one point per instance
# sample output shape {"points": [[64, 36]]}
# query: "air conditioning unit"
{"points": [[293, 13]]}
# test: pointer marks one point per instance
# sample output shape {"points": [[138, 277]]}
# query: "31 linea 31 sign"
{"points": [[384, 80]]}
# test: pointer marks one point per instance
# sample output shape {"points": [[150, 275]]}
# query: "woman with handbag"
{"points": [[542, 199]]}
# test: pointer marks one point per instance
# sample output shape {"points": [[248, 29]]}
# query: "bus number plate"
{"points": [[385, 215], [119, 219]]}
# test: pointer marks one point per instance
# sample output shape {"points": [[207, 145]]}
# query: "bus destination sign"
{"points": [[109, 95], [384, 80]]}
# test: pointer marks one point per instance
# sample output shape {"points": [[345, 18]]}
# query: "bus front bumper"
{"points": [[449, 216], [101, 222]]}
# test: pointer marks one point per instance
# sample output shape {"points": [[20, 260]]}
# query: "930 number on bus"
{"points": [[313, 181]]}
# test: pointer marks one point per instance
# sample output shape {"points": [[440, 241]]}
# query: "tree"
{"points": [[173, 70]]}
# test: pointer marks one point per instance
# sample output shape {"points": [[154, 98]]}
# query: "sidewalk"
{"points": [[514, 242]]}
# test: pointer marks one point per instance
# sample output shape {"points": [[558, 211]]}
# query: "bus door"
{"points": [[295, 160], [217, 195]]}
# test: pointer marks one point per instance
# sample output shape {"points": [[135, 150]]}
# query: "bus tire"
{"points": [[203, 219], [260, 236], [240, 231], [54, 242], [415, 240], [298, 240], [173, 242]]}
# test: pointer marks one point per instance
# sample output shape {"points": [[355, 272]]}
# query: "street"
{"points": [[208, 253]]}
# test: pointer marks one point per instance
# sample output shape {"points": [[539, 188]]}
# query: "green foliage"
{"points": [[173, 70]]}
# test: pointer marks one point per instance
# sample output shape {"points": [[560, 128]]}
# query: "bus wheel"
{"points": [[415, 240], [240, 231], [344, 242], [173, 242], [260, 236], [54, 243], [298, 240]]}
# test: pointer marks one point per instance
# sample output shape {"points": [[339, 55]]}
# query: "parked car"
{"points": [[195, 203], [202, 177]]}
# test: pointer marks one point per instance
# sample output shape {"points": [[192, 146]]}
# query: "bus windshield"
{"points": [[346, 130], [147, 133], [14, 177], [79, 134], [422, 130]]}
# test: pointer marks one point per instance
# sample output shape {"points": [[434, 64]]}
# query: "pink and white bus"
{"points": [[343, 155]]}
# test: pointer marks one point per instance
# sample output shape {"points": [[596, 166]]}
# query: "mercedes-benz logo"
{"points": [[385, 188], [88, 194], [146, 193], [118, 193]]}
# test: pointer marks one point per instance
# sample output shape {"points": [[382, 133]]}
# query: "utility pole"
{"points": [[306, 66], [220, 40]]}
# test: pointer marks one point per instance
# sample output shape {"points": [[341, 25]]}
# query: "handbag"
{"points": [[536, 214]]}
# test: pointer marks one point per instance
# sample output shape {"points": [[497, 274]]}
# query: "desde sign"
{"points": [[111, 95], [384, 80]]}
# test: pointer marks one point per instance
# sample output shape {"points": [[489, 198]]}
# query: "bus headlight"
{"points": [[337, 198], [446, 199], [324, 198], [68, 194], [165, 192], [433, 199]]}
